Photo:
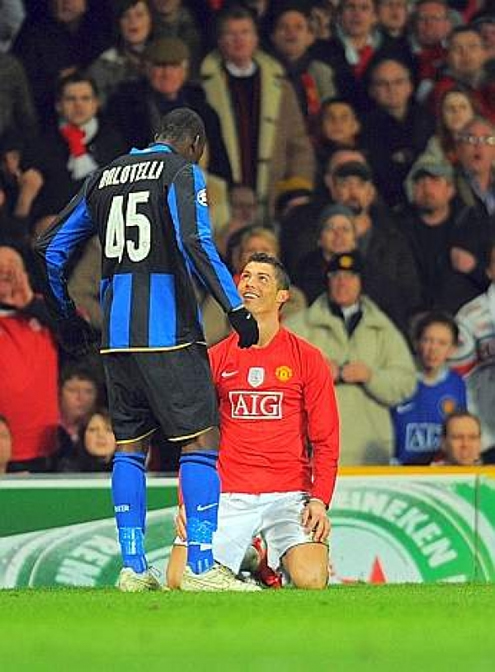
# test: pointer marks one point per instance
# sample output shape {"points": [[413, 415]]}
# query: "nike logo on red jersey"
{"points": [[228, 374]]}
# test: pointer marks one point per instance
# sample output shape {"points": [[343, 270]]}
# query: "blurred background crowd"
{"points": [[354, 139]]}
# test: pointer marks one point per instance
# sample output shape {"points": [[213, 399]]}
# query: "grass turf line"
{"points": [[385, 628]]}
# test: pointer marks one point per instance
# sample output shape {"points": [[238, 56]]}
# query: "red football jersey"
{"points": [[272, 401], [29, 389]]}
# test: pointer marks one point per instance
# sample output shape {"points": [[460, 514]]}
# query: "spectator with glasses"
{"points": [[475, 173]]}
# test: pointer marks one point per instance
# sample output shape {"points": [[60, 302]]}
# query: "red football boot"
{"points": [[265, 574]]}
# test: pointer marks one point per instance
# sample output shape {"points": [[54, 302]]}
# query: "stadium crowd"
{"points": [[355, 140]]}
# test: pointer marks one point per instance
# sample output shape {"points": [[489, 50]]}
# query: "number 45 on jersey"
{"points": [[120, 219]]}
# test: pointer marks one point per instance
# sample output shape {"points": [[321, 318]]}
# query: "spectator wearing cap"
{"points": [[390, 275], [466, 65], [137, 107], [261, 122], [72, 149], [475, 171], [172, 18], [397, 130], [369, 358], [313, 80], [337, 234], [446, 238], [123, 62], [299, 225], [68, 38]]}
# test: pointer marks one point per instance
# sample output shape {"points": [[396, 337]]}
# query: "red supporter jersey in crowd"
{"points": [[28, 391], [272, 400]]}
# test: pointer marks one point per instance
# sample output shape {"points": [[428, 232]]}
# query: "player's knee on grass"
{"points": [[307, 566], [176, 566]]}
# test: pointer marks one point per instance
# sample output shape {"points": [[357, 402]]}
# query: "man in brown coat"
{"points": [[262, 125]]}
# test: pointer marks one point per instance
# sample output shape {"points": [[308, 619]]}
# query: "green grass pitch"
{"points": [[358, 627]]}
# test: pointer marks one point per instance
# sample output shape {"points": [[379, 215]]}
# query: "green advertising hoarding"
{"points": [[418, 528], [397, 528]]}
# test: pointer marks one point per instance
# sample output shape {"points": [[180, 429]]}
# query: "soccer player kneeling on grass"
{"points": [[279, 442]]}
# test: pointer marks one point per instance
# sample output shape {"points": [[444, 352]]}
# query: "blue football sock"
{"points": [[129, 501], [200, 487]]}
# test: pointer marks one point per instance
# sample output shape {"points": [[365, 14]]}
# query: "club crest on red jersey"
{"points": [[283, 373], [256, 376]]}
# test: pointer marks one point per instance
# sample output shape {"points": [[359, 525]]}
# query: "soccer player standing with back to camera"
{"points": [[150, 212], [274, 399]]}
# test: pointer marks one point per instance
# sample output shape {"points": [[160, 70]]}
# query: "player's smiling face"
{"points": [[259, 289]]}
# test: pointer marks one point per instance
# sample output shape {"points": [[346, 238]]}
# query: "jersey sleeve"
{"points": [[323, 424], [215, 355], [465, 357], [55, 247], [189, 209]]}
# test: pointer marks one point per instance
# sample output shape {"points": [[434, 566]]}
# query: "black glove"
{"points": [[76, 336], [245, 325]]}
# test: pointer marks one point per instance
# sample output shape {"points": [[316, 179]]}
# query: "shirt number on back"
{"points": [[118, 225]]}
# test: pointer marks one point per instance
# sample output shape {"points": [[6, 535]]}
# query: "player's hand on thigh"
{"points": [[315, 520], [180, 523]]}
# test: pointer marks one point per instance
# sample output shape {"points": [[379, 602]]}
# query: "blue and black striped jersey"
{"points": [[150, 211]]}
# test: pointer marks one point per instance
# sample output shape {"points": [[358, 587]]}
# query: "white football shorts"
{"points": [[276, 516]]}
